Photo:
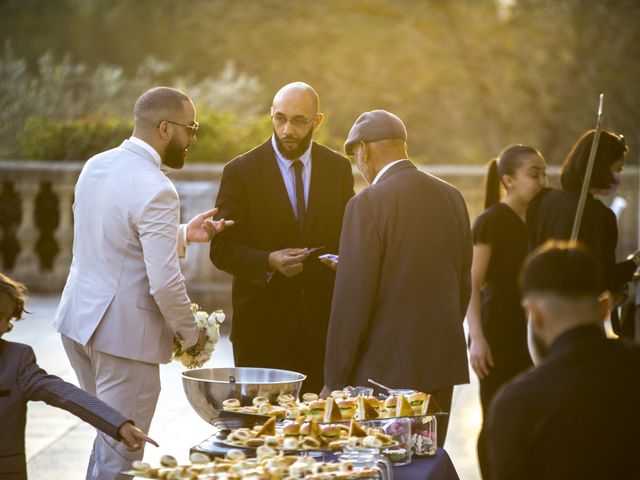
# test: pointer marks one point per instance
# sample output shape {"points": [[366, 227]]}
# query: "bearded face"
{"points": [[175, 153], [291, 145]]}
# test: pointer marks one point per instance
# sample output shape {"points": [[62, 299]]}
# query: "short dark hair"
{"points": [[16, 291], [158, 102], [563, 268], [611, 148]]}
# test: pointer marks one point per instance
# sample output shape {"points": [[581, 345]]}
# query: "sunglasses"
{"points": [[193, 128]]}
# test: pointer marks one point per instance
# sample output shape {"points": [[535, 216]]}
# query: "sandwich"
{"points": [[291, 430], [316, 410], [231, 404], [365, 410], [417, 401], [329, 433], [347, 408], [403, 408], [356, 430], [332, 412], [269, 428], [390, 406]]}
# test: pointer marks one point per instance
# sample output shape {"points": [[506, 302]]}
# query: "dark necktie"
{"points": [[300, 207]]}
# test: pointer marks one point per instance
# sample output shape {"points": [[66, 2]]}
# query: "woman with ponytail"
{"points": [[497, 323]]}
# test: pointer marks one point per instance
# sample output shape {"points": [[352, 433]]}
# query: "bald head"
{"points": [[158, 104], [298, 92]]}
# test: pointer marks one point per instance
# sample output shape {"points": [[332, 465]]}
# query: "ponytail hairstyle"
{"points": [[509, 160], [611, 148]]}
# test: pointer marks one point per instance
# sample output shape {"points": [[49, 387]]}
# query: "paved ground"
{"points": [[58, 444]]}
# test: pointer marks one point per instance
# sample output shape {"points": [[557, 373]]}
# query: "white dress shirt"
{"points": [[289, 174], [384, 169]]}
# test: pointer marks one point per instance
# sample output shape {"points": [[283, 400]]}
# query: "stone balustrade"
{"points": [[36, 229]]}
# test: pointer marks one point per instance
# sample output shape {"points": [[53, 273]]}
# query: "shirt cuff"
{"points": [[184, 235]]}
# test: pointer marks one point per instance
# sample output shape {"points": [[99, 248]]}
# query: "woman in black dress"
{"points": [[552, 211], [497, 323]]}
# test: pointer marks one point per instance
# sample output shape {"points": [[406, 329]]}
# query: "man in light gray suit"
{"points": [[125, 296]]}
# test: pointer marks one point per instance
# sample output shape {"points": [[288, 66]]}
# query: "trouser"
{"points": [[129, 386], [443, 396], [489, 386]]}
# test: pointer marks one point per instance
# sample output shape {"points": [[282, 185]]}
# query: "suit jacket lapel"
{"points": [[319, 187], [275, 183]]}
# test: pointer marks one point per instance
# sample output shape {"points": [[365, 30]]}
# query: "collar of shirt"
{"points": [[148, 148], [288, 173], [384, 169]]}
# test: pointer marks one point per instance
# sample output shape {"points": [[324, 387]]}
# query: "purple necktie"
{"points": [[300, 206]]}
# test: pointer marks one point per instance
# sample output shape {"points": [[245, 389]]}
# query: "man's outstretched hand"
{"points": [[202, 229], [133, 438]]}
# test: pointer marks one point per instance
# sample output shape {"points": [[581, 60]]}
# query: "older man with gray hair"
{"points": [[403, 276]]}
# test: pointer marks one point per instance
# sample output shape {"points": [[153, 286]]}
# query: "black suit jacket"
{"points": [[402, 286], [577, 415], [268, 315], [21, 380]]}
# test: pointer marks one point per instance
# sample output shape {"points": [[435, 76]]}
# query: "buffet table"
{"points": [[438, 467]]}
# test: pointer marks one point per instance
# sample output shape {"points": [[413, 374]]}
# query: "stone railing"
{"points": [[36, 224]]}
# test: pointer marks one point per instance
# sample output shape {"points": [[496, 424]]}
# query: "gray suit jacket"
{"points": [[402, 285], [125, 291], [21, 380]]}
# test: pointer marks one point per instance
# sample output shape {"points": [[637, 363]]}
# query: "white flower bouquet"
{"points": [[194, 357]]}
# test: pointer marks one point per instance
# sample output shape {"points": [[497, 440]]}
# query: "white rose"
{"points": [[209, 346], [201, 318]]}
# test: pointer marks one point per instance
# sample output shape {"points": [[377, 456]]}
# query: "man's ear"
{"points": [[317, 121], [163, 130], [534, 313], [604, 304]]}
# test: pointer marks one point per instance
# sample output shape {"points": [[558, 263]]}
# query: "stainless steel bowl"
{"points": [[207, 388]]}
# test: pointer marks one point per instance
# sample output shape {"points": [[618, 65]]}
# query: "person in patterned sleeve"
{"points": [[22, 380]]}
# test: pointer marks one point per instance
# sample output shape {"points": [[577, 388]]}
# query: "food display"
{"points": [[294, 436], [338, 407], [267, 464]]}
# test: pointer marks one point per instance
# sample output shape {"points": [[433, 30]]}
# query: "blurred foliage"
{"points": [[45, 139], [468, 76]]}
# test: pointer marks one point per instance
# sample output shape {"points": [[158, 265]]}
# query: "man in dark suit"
{"points": [[286, 196], [403, 277], [577, 415], [22, 380]]}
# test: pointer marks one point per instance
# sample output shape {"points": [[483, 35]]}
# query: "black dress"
{"points": [[551, 214], [503, 319]]}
